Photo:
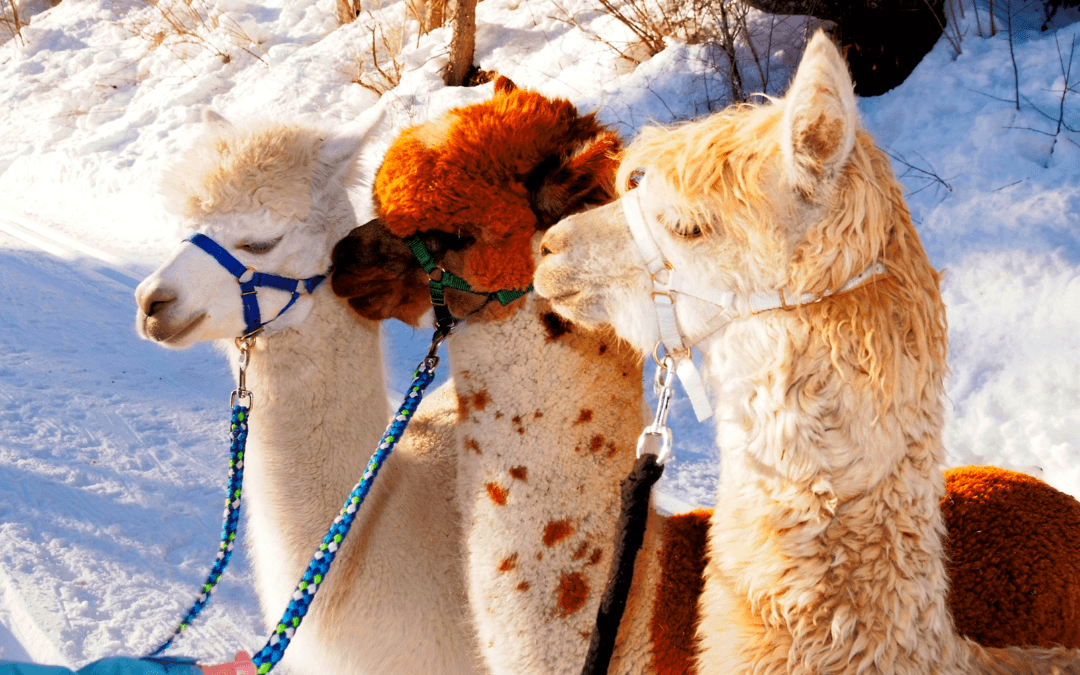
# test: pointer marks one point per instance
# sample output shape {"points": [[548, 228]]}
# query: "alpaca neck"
{"points": [[827, 533], [548, 421], [319, 402]]}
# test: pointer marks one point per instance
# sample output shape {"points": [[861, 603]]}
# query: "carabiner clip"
{"points": [[656, 438], [442, 331], [241, 392]]}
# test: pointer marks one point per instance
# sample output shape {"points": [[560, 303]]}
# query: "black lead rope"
{"points": [[653, 449], [633, 516]]}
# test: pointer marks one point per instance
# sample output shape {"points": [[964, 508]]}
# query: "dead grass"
{"points": [[385, 34], [182, 26], [11, 20], [736, 51]]}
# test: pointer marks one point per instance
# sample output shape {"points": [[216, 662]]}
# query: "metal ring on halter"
{"points": [[671, 268], [672, 353]]}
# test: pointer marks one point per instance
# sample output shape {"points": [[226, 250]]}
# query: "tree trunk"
{"points": [[463, 42], [882, 40]]}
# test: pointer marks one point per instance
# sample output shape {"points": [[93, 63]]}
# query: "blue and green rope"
{"points": [[239, 432], [319, 566]]}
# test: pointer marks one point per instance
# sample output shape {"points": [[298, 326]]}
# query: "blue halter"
{"points": [[249, 286]]}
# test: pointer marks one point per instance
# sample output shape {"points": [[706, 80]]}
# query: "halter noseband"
{"points": [[248, 287], [666, 282], [444, 320]]}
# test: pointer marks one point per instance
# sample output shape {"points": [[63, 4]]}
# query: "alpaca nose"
{"points": [[155, 301]]}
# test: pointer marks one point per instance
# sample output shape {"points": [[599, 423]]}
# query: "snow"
{"points": [[113, 450]]}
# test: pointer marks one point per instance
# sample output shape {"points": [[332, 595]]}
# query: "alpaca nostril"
{"points": [[156, 302], [157, 306], [544, 250]]}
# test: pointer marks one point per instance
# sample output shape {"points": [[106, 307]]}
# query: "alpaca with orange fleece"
{"points": [[445, 177]]}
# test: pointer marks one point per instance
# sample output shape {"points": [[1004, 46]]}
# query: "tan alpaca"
{"points": [[394, 600], [548, 414], [826, 542]]}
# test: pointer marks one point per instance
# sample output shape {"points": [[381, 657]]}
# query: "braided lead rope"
{"points": [[239, 432], [319, 566]]}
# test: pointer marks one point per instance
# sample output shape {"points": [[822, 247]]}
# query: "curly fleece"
{"points": [[480, 172], [1014, 558], [1014, 566]]}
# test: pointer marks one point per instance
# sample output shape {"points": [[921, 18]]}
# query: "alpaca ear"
{"points": [[338, 153], [565, 184], [214, 119], [820, 118], [504, 85]]}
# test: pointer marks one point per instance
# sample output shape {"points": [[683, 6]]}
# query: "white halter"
{"points": [[667, 281]]}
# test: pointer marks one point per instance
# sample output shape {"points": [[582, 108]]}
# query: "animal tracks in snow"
{"points": [[113, 460]]}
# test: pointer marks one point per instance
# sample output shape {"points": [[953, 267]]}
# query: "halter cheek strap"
{"points": [[667, 282], [250, 280]]}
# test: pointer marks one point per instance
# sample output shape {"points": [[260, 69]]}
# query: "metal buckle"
{"points": [[668, 354], [783, 302]]}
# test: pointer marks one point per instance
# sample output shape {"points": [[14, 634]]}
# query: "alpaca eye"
{"points": [[675, 224], [259, 247], [691, 232]]}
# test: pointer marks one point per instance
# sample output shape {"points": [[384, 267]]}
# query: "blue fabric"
{"points": [[114, 665], [248, 288]]}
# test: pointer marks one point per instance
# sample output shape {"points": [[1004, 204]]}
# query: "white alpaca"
{"points": [[825, 545], [394, 601], [548, 415]]}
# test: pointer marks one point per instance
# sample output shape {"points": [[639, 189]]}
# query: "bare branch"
{"points": [[1066, 72], [920, 173], [1012, 53]]}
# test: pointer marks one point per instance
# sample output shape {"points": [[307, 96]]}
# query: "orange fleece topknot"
{"points": [[484, 171]]}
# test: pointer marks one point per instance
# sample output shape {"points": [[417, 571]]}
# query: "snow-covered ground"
{"points": [[113, 450]]}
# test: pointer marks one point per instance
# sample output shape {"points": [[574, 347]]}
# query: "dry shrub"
{"points": [[180, 24], [738, 42], [384, 35]]}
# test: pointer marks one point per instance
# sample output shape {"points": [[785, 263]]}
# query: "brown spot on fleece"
{"points": [[571, 594], [557, 530], [555, 326], [497, 493], [1013, 550]]}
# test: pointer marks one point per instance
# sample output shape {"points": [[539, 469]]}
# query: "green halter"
{"points": [[443, 317]]}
